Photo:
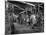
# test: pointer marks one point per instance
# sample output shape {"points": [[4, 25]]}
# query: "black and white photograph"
{"points": [[23, 17]]}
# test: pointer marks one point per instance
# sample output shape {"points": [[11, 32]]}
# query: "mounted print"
{"points": [[22, 17]]}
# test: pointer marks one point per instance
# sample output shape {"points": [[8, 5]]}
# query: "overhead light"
{"points": [[27, 3]]}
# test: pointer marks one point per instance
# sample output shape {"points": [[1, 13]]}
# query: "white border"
{"points": [[2, 17]]}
